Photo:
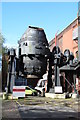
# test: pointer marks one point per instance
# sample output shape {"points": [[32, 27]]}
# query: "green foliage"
{"points": [[4, 62], [1, 43], [4, 70]]}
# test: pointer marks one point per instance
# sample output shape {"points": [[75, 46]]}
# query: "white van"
{"points": [[41, 87]]}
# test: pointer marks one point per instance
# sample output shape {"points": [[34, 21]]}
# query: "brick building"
{"points": [[68, 38]]}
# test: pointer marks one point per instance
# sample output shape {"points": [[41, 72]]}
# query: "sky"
{"points": [[51, 16]]}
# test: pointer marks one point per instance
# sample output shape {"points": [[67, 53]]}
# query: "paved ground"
{"points": [[41, 107]]}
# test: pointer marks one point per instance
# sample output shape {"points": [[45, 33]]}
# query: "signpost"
{"points": [[18, 91]]}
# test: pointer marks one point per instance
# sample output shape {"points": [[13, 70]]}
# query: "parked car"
{"points": [[30, 91], [41, 85]]}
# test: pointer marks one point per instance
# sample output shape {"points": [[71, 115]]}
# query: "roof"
{"points": [[60, 34], [74, 67]]}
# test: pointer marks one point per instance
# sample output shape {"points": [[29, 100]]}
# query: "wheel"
{"points": [[43, 93], [33, 94], [38, 94]]}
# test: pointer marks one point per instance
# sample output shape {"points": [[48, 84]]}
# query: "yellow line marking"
{"points": [[18, 103]]}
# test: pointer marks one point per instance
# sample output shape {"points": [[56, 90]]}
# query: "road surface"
{"points": [[41, 107]]}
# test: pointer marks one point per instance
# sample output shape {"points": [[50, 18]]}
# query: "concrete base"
{"points": [[5, 96], [58, 89], [9, 96], [55, 96], [74, 95]]}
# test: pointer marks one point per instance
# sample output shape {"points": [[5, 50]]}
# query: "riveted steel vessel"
{"points": [[33, 52]]}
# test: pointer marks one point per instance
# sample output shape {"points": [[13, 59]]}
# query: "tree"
{"points": [[2, 39], [4, 70], [4, 62], [1, 44]]}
